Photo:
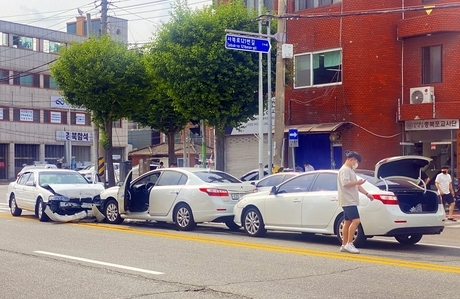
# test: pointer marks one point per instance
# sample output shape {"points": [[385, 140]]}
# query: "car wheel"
{"points": [[358, 239], [15, 211], [253, 223], [232, 225], [111, 212], [41, 206], [408, 239], [183, 218]]}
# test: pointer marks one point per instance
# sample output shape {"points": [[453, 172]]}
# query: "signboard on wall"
{"points": [[58, 102], [74, 136], [55, 117], [26, 115], [80, 119], [431, 124]]}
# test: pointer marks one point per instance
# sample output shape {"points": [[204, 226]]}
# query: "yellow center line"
{"points": [[273, 248]]}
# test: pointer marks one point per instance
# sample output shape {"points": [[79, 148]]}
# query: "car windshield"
{"points": [[50, 178], [216, 177]]}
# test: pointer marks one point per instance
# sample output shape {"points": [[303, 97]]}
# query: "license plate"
{"points": [[86, 205], [236, 196]]}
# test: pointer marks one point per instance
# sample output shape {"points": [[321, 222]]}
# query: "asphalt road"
{"points": [[148, 260]]}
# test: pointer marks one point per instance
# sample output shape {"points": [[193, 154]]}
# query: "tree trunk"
{"points": [[108, 155], [171, 148], [220, 150]]}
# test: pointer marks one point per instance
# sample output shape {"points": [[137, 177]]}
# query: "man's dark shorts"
{"points": [[447, 198], [350, 212]]}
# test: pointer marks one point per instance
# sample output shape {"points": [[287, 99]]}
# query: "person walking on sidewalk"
{"points": [[348, 193], [445, 189]]}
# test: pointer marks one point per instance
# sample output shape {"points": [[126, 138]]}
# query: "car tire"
{"points": [[15, 211], [359, 237], [232, 225], [112, 213], [408, 239], [253, 223], [41, 206], [183, 218]]}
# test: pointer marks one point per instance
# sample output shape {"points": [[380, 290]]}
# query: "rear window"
{"points": [[216, 177]]}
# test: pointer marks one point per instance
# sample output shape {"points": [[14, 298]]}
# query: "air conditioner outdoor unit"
{"points": [[419, 95]]}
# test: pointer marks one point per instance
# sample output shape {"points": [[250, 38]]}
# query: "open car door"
{"points": [[123, 195]]}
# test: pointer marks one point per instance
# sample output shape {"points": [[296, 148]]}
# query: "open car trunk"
{"points": [[417, 201]]}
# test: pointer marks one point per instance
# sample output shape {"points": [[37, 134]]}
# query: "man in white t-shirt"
{"points": [[446, 191], [348, 195], [308, 167]]}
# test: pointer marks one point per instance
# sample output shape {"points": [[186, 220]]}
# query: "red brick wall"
{"points": [[371, 77]]}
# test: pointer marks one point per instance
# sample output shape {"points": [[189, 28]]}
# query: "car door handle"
{"points": [[334, 199], [173, 192], [296, 200]]}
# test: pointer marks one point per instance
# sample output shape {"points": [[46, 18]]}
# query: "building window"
{"points": [[319, 68], [431, 64], [307, 4], [4, 77], [23, 42], [54, 117], [80, 119], [26, 115], [116, 124], [23, 79], [48, 82], [254, 4], [3, 39], [52, 47], [4, 113]]}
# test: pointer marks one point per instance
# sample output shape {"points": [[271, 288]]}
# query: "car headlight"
{"points": [[58, 197]]}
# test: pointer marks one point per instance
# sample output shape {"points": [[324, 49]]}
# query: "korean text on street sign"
{"points": [[244, 43], [431, 124], [293, 137]]}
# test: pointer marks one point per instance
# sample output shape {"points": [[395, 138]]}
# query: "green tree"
{"points": [[161, 114], [105, 78], [205, 80]]}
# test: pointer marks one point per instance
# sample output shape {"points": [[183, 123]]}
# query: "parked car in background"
{"points": [[136, 169], [272, 180], [88, 171], [253, 175], [184, 196], [308, 203], [36, 166], [56, 194]]}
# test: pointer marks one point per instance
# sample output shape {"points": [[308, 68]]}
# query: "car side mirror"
{"points": [[273, 190], [253, 183], [120, 183]]}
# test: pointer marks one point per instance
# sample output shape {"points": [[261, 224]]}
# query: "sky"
{"points": [[144, 16]]}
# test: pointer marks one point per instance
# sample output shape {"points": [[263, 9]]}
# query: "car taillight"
{"points": [[386, 199], [214, 191]]}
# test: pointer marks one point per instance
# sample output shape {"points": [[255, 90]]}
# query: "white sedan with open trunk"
{"points": [[308, 203], [184, 196]]}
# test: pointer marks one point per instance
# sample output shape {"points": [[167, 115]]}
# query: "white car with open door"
{"points": [[308, 203], [184, 196]]}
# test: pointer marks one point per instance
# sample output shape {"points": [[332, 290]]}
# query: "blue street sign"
{"points": [[245, 43], [293, 134]]}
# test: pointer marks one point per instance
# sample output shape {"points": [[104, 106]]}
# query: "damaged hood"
{"points": [[77, 191], [401, 167]]}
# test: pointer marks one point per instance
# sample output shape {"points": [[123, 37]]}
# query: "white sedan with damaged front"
{"points": [[57, 194], [402, 207], [184, 196]]}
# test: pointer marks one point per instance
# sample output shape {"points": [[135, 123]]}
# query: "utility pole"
{"points": [[280, 81], [269, 97], [95, 128], [101, 149], [261, 101]]}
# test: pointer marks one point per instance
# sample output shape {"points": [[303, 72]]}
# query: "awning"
{"points": [[315, 128]]}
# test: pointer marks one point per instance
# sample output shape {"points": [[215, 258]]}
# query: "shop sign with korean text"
{"points": [[74, 136], [431, 124]]}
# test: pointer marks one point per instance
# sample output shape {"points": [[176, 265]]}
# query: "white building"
{"points": [[35, 124]]}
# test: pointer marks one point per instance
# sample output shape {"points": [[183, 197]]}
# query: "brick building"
{"points": [[382, 84]]}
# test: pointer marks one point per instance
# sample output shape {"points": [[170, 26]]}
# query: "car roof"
{"points": [[52, 170]]}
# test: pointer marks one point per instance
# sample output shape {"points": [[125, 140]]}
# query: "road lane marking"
{"points": [[99, 262], [292, 250], [266, 247]]}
